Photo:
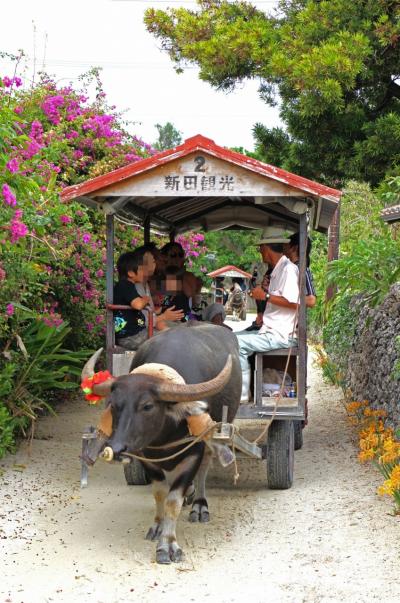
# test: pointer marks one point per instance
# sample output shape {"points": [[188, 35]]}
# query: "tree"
{"points": [[168, 137], [335, 66]]}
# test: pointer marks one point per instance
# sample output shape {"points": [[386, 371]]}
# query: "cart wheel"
{"points": [[298, 435], [135, 474], [280, 455]]}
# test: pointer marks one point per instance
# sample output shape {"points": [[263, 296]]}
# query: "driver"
{"points": [[279, 319]]}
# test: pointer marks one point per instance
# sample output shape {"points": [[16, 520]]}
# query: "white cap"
{"points": [[274, 234]]}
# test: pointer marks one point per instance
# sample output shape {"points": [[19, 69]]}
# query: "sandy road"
{"points": [[327, 539]]}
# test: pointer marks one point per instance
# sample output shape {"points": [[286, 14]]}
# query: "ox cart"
{"points": [[236, 304], [200, 185]]}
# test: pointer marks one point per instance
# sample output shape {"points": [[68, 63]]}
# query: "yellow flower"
{"points": [[386, 489], [366, 455], [388, 457], [352, 407], [395, 477], [379, 413]]}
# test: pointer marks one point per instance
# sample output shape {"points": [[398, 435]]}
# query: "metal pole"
{"points": [[302, 318], [146, 228], [109, 289], [172, 234]]}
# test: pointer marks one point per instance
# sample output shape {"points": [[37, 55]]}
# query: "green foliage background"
{"points": [[334, 64]]}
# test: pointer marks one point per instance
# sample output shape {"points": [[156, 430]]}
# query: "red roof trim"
{"points": [[220, 271], [200, 143]]}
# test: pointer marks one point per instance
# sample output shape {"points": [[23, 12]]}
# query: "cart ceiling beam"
{"points": [[198, 183], [228, 204]]}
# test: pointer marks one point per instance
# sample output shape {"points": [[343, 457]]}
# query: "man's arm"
{"points": [[278, 300]]}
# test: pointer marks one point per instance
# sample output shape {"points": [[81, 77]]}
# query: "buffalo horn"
{"points": [[190, 392], [88, 369], [100, 389]]}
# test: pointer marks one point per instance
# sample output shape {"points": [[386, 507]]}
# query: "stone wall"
{"points": [[373, 356]]}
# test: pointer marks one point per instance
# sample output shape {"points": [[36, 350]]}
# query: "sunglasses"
{"points": [[179, 254]]}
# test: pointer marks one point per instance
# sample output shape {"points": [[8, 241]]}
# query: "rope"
{"points": [[172, 456], [192, 442]]}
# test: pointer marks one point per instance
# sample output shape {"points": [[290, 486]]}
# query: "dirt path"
{"points": [[328, 539]]}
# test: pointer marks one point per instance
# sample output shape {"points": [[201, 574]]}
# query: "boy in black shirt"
{"points": [[130, 325]]}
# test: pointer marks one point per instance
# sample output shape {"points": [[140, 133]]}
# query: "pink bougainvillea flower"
{"points": [[9, 196], [7, 82], [9, 309], [33, 148], [17, 228], [132, 157], [86, 237], [36, 132], [50, 108], [65, 219], [18, 110], [13, 165]]}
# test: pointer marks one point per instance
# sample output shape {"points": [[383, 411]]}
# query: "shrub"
{"points": [[34, 364], [52, 254]]}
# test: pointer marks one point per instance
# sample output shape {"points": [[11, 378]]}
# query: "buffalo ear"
{"points": [[180, 410]]}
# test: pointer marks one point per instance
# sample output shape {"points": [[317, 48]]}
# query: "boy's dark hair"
{"points": [[148, 247], [129, 262]]}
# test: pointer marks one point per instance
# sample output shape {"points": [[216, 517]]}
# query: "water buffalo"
{"points": [[148, 412]]}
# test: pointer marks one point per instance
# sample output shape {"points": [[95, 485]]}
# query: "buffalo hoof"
{"points": [[199, 512], [154, 532], [162, 557], [174, 553], [202, 517], [193, 516]]}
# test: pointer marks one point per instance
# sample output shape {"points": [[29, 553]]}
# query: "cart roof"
{"points": [[202, 185], [231, 271]]}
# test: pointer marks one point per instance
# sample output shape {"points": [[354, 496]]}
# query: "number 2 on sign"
{"points": [[199, 162]]}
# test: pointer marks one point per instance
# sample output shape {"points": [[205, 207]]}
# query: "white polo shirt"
{"points": [[284, 283]]}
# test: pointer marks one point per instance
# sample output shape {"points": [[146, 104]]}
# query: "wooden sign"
{"points": [[202, 175]]}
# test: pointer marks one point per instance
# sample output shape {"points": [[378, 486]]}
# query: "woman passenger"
{"points": [[291, 250]]}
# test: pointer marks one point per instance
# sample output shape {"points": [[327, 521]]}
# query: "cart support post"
{"points": [[109, 289], [146, 229], [302, 368]]}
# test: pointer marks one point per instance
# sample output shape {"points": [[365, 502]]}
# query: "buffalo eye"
{"points": [[148, 407]]}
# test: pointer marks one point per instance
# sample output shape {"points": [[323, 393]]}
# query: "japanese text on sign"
{"points": [[199, 183]]}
